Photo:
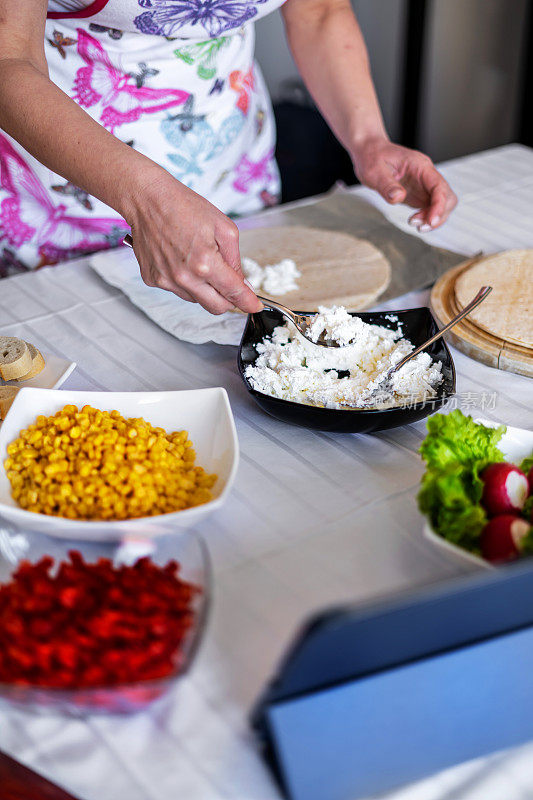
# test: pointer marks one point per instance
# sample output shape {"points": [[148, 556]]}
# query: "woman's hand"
{"points": [[401, 175], [187, 246], [329, 49]]}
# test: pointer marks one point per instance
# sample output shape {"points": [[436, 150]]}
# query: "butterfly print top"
{"points": [[186, 19], [174, 79]]}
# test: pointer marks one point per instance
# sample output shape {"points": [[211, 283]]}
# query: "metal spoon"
{"points": [[301, 321], [385, 381]]}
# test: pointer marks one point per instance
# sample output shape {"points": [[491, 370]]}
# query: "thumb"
{"points": [[381, 178], [392, 192], [227, 238]]}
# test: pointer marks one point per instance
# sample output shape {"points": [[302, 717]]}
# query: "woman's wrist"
{"points": [[141, 185], [363, 143]]}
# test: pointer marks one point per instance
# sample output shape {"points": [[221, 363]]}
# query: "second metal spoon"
{"points": [[385, 383]]}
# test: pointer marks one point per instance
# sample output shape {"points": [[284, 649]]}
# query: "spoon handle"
{"points": [[279, 307], [480, 296]]}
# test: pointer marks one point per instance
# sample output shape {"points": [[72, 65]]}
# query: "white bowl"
{"points": [[516, 444], [204, 413]]}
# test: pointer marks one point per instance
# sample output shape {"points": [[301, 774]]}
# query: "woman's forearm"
{"points": [[54, 129], [182, 242], [329, 50]]}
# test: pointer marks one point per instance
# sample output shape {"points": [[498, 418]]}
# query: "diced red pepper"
{"points": [[79, 624]]}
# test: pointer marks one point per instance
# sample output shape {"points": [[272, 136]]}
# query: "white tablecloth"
{"points": [[314, 519]]}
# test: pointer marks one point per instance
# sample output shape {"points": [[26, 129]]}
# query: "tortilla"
{"points": [[508, 310], [337, 269]]}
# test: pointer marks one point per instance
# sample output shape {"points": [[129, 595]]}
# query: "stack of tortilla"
{"points": [[500, 330]]}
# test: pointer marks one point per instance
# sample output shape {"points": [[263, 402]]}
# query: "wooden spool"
{"points": [[472, 340]]}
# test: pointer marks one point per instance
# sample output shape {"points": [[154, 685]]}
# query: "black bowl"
{"points": [[418, 325]]}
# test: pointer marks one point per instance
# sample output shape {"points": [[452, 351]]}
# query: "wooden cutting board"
{"points": [[472, 339], [337, 268]]}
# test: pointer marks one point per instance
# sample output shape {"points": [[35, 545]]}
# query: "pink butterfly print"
{"points": [[250, 172], [121, 99], [29, 214], [243, 83], [269, 199]]}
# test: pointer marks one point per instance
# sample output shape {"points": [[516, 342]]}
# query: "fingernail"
{"points": [[424, 228], [394, 194], [434, 221]]}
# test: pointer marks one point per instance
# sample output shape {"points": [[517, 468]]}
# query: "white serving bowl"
{"points": [[204, 413], [516, 444]]}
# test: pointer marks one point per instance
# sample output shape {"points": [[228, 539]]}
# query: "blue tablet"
{"points": [[368, 699]]}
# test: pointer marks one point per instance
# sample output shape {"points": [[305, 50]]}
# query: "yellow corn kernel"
{"points": [[52, 469]]}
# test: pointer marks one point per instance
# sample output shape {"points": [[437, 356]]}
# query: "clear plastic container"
{"points": [[184, 547]]}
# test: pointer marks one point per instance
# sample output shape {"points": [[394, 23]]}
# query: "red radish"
{"points": [[501, 537], [530, 480], [506, 489]]}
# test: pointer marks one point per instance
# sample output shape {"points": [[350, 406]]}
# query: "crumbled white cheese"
{"points": [[274, 279], [337, 324], [252, 272], [291, 368]]}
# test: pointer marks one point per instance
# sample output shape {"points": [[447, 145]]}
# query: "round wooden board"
{"points": [[471, 339], [337, 269]]}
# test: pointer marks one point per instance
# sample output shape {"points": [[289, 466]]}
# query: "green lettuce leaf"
{"points": [[455, 438], [526, 464], [450, 499], [456, 450]]}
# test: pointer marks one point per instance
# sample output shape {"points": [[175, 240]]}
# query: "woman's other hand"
{"points": [[401, 175], [187, 246]]}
